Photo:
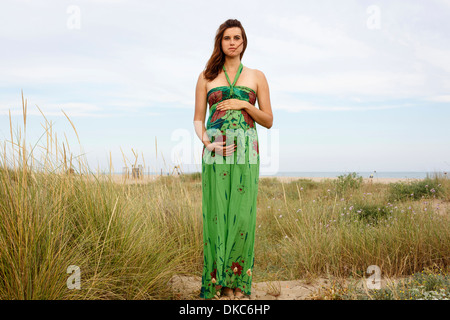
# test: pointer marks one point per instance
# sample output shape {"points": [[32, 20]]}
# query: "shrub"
{"points": [[347, 182], [371, 213], [426, 188]]}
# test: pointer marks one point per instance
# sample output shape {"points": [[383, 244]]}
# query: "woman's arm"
{"points": [[263, 115], [200, 110], [199, 121]]}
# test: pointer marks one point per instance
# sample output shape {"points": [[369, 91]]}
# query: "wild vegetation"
{"points": [[129, 239]]}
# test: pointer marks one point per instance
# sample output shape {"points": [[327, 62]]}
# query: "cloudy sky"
{"points": [[354, 85]]}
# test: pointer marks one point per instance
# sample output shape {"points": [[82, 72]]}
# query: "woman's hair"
{"points": [[217, 58]]}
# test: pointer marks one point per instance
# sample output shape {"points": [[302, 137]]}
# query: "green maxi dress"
{"points": [[229, 192]]}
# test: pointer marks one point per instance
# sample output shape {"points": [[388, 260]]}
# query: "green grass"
{"points": [[348, 182], [426, 188]]}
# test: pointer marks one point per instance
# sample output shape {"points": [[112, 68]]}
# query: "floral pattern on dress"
{"points": [[225, 174], [214, 97], [248, 119], [239, 120], [252, 97], [237, 268], [229, 193]]}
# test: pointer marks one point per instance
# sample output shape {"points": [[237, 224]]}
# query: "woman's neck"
{"points": [[232, 64]]}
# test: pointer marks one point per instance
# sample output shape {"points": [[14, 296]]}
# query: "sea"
{"points": [[364, 174]]}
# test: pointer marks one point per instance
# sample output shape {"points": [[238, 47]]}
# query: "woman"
{"points": [[230, 161]]}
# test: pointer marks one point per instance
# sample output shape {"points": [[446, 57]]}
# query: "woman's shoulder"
{"points": [[255, 72], [202, 75], [202, 79]]}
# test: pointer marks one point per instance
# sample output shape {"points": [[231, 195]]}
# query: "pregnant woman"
{"points": [[230, 162]]}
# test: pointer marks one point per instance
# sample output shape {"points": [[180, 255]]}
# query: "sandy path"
{"points": [[188, 288]]}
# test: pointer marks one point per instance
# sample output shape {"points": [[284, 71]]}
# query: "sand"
{"points": [[150, 178], [366, 180], [188, 287]]}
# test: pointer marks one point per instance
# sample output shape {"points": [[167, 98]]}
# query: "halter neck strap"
{"points": [[235, 78]]}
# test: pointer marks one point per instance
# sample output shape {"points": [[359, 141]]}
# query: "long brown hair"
{"points": [[217, 58]]}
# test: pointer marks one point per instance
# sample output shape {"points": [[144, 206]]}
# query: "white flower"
{"points": [[249, 272], [213, 280], [235, 269]]}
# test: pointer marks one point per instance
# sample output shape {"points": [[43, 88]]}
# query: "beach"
{"points": [[118, 178], [320, 179]]}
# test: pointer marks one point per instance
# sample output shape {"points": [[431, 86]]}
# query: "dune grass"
{"points": [[129, 240], [320, 233]]}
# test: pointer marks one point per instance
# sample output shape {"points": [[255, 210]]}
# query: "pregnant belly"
{"points": [[234, 127], [230, 119]]}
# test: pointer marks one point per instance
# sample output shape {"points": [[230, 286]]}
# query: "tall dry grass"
{"points": [[309, 229], [130, 239]]}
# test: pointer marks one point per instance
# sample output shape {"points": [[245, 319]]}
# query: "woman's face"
{"points": [[232, 42]]}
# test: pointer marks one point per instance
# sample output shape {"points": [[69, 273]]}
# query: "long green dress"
{"points": [[229, 192]]}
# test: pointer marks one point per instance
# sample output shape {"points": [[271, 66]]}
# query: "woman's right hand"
{"points": [[219, 147]]}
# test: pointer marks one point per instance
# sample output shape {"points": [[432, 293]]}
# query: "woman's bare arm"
{"points": [[200, 110], [263, 115]]}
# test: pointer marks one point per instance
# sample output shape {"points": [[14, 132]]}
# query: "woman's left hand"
{"points": [[231, 104]]}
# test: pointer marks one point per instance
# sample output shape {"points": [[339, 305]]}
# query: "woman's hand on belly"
{"points": [[232, 104]]}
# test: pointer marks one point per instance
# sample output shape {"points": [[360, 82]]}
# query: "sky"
{"points": [[354, 85]]}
